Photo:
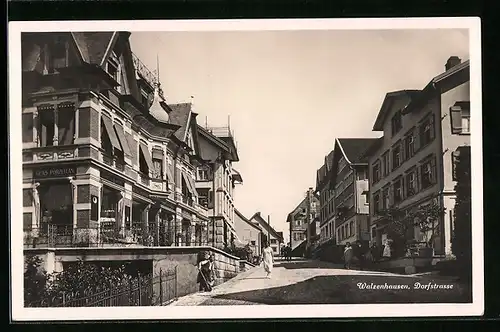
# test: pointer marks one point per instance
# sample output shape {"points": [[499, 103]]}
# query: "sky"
{"points": [[289, 94]]}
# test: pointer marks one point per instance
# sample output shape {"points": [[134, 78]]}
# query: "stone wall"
{"points": [[182, 259]]}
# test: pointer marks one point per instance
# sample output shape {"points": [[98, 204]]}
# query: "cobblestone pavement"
{"points": [[315, 282]]}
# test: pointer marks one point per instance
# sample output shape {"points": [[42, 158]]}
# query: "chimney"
{"points": [[452, 62]]}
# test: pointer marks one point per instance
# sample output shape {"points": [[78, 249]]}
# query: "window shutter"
{"points": [[454, 160], [456, 119]]}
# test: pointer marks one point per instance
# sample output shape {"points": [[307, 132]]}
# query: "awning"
{"points": [[111, 132], [189, 184], [147, 156], [121, 137], [170, 174]]}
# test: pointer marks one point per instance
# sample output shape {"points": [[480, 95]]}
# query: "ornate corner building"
{"points": [[106, 159]]}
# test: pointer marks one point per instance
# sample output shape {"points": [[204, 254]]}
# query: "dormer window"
{"points": [[59, 54], [112, 66], [396, 123]]}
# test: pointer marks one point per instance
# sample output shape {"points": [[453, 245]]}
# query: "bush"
{"points": [[77, 280], [35, 280]]}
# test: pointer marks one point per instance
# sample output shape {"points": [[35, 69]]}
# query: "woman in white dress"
{"points": [[267, 259]]}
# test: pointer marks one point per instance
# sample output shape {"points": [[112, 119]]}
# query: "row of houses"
{"points": [[107, 160], [255, 231], [410, 166]]}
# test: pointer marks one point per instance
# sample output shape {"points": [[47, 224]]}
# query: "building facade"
{"points": [[348, 179], [216, 181], [269, 234], [326, 201], [106, 159], [249, 233], [299, 221], [411, 165]]}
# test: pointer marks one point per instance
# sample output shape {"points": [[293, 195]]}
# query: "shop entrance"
{"points": [[56, 207]]}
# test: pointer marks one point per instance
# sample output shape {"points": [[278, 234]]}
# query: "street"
{"points": [[315, 282]]}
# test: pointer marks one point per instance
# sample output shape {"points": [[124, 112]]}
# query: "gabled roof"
{"points": [[214, 139], [372, 148], [94, 46], [329, 161], [460, 72], [179, 115], [245, 219], [388, 102], [353, 149], [257, 216]]}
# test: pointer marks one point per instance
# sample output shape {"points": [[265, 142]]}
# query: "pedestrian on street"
{"points": [[375, 252], [288, 253], [348, 255], [267, 259], [387, 250], [204, 272]]}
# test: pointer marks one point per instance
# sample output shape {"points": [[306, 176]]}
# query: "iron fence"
{"points": [[140, 291], [109, 234]]}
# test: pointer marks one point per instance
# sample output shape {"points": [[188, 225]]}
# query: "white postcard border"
{"points": [[19, 313]]}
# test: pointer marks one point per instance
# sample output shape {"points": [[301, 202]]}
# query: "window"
{"points": [[374, 233], [361, 175], [157, 171], [385, 198], [460, 118], [46, 128], [273, 241], [427, 131], [428, 172], [398, 190], [386, 163], [409, 145], [376, 172], [376, 202], [112, 66], [202, 174], [396, 156], [396, 123], [351, 228], [65, 125], [338, 234], [59, 54], [411, 184]]}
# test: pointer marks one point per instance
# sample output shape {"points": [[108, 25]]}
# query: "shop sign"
{"points": [[112, 178], [54, 172]]}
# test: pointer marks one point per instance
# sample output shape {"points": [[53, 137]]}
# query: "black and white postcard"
{"points": [[202, 169]]}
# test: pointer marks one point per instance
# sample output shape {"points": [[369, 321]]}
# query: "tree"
{"points": [[462, 233], [402, 222]]}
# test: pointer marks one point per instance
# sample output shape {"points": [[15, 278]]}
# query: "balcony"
{"points": [[50, 153], [220, 131], [187, 200], [113, 162], [107, 235]]}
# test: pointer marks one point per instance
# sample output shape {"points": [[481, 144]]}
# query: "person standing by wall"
{"points": [[267, 259], [348, 256]]}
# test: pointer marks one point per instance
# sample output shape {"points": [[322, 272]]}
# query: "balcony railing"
{"points": [[220, 131], [108, 234], [113, 162]]}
